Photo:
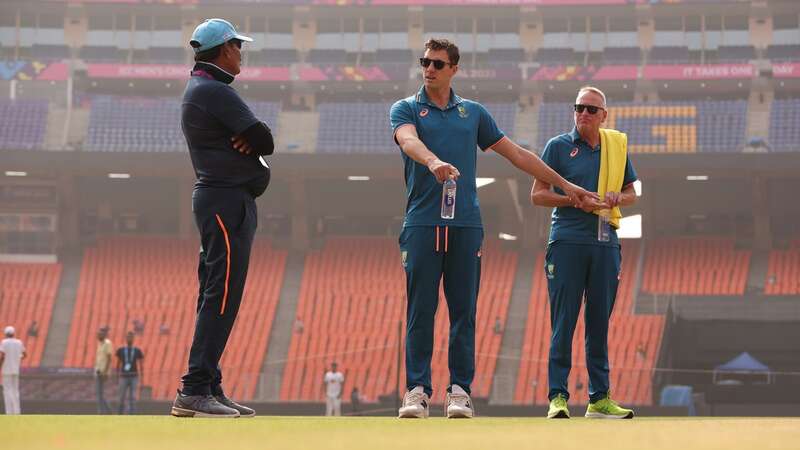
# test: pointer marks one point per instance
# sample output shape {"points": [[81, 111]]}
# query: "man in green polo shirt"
{"points": [[438, 133], [582, 266]]}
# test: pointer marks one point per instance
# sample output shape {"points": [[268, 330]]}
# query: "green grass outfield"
{"points": [[288, 433]]}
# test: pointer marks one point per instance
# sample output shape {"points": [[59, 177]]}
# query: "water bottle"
{"points": [[448, 199], [604, 226]]}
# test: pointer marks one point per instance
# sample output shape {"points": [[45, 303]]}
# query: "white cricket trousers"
{"points": [[11, 393], [333, 406]]}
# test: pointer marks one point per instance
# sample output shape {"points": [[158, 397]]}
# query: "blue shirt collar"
{"points": [[576, 137], [422, 97]]}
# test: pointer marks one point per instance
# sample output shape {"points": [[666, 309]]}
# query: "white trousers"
{"points": [[333, 406], [11, 393]]}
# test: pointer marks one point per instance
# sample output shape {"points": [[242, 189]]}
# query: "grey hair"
{"points": [[595, 90]]}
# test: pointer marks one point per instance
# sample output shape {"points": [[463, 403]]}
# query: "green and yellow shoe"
{"points": [[558, 408], [607, 409]]}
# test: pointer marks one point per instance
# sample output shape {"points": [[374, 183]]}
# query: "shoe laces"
{"points": [[459, 400], [413, 398], [612, 402], [207, 400], [607, 404], [559, 401]]}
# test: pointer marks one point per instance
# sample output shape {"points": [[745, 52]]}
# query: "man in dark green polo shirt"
{"points": [[579, 264], [438, 133]]}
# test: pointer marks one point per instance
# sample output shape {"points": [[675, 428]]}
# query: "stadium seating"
{"points": [[735, 53], [49, 52], [669, 55], [784, 134], [556, 56], [340, 133], [353, 305], [326, 56], [371, 133], [505, 55], [634, 341], [783, 272], [22, 124], [98, 53], [393, 55], [665, 127], [622, 55], [695, 266], [27, 294], [272, 57], [143, 124], [166, 55], [785, 52], [153, 280]]}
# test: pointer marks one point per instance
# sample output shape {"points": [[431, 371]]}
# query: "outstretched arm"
{"points": [[528, 162]]}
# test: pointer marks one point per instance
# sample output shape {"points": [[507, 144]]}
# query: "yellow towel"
{"points": [[613, 156]]}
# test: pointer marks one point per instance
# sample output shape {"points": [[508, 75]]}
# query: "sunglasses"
{"points": [[591, 109], [438, 64]]}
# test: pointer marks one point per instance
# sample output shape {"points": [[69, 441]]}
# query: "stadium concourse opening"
{"points": [[96, 226]]}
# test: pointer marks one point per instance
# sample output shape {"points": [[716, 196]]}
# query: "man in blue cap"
{"points": [[226, 144]]}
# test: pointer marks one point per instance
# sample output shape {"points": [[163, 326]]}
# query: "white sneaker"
{"points": [[415, 404], [459, 405]]}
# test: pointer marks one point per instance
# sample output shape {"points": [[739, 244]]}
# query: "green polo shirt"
{"points": [[453, 134], [572, 158]]}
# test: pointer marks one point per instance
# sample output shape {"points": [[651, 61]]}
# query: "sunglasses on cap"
{"points": [[591, 109], [438, 64]]}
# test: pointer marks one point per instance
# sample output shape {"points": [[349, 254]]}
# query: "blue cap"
{"points": [[214, 32]]}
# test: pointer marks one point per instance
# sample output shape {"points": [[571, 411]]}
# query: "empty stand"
{"points": [[364, 127], [145, 124], [622, 55], [695, 266], [102, 53], [22, 124], [783, 272], [784, 133], [633, 343], [46, 52], [27, 294], [154, 280], [665, 127], [354, 128], [735, 53], [669, 55], [352, 304], [783, 52], [556, 56]]}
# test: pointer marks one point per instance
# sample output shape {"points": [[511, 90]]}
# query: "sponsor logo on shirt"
{"points": [[573, 152], [424, 112]]}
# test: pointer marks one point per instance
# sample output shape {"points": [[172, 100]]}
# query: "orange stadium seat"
{"points": [[27, 294], [353, 307], [633, 343], [154, 280], [783, 272], [695, 266]]}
